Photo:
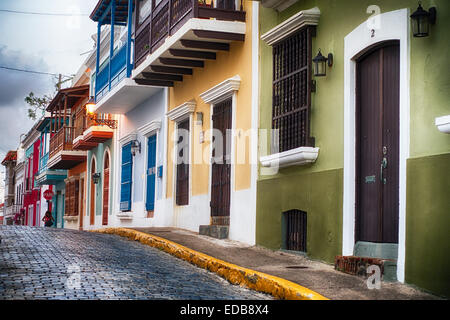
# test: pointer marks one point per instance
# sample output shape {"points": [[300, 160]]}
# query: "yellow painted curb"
{"points": [[259, 281]]}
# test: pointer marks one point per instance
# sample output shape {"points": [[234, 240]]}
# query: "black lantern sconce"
{"points": [[421, 20], [135, 147], [320, 64], [96, 177]]}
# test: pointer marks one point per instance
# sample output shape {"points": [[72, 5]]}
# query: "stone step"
{"points": [[355, 265], [214, 231]]}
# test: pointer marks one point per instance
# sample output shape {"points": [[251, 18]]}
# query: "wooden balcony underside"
{"points": [[66, 160], [179, 36], [98, 136], [81, 144]]}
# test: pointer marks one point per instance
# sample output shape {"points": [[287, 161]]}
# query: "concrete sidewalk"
{"points": [[314, 275]]}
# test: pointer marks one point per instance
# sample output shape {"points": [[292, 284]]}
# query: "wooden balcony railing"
{"points": [[62, 140], [170, 15]]}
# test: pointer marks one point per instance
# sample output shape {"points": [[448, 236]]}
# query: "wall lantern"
{"points": [[421, 20], [135, 147], [320, 64], [90, 106], [96, 177]]}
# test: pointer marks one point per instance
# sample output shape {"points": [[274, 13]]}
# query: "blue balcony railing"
{"points": [[43, 163], [106, 81]]}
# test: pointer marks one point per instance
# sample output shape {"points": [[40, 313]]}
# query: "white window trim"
{"points": [[182, 112], [443, 124], [286, 28], [297, 156], [179, 114], [222, 91]]}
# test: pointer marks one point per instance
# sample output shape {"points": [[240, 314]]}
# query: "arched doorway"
{"points": [[105, 189], [93, 187]]}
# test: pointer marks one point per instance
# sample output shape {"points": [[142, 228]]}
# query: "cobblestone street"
{"points": [[38, 263]]}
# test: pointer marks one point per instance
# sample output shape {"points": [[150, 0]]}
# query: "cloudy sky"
{"points": [[44, 43]]}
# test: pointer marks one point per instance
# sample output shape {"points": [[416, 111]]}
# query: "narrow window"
{"points": [[182, 184], [126, 178], [291, 97]]}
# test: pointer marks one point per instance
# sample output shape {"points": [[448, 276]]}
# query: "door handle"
{"points": [[383, 166]]}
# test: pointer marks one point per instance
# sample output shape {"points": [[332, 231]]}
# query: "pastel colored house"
{"points": [[134, 158], [9, 208], [361, 161], [31, 201]]}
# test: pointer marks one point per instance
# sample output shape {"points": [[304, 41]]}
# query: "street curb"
{"points": [[255, 280]]}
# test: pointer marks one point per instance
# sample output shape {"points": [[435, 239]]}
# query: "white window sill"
{"points": [[124, 216], [443, 124], [294, 157], [71, 218]]}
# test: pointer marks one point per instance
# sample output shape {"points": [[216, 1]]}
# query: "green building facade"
{"points": [[319, 181]]}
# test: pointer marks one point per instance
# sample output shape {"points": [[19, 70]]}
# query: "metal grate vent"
{"points": [[295, 230]]}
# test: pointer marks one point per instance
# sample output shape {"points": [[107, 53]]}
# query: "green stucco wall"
{"points": [[428, 223], [316, 188], [99, 152], [319, 195]]}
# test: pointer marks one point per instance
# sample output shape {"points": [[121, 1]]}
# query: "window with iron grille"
{"points": [[294, 225], [291, 100]]}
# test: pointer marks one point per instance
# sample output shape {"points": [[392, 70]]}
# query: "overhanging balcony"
{"points": [[98, 129], [180, 35], [107, 78], [62, 155], [46, 176]]}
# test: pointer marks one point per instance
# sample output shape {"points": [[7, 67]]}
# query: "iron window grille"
{"points": [[292, 86]]}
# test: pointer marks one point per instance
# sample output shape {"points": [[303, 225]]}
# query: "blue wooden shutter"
{"points": [[126, 179], [151, 173]]}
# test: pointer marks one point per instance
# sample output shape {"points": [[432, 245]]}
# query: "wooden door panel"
{"points": [[151, 173], [221, 164], [377, 96], [105, 197], [391, 133], [369, 146]]}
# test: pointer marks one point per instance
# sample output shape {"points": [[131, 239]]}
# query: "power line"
{"points": [[45, 13], [31, 71]]}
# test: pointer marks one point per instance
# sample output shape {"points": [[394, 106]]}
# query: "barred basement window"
{"points": [[294, 230], [291, 100]]}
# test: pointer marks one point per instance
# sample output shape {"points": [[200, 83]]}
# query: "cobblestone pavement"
{"points": [[39, 263]]}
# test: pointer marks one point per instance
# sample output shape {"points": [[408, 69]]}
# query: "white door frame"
{"points": [[392, 25]]}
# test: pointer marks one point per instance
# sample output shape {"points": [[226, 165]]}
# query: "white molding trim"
{"points": [[128, 138], [182, 111], [124, 216], [443, 124], [286, 28], [394, 25], [71, 218], [222, 91], [278, 5], [150, 128], [294, 157]]}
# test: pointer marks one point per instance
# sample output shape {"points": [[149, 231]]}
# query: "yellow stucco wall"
{"points": [[236, 61]]}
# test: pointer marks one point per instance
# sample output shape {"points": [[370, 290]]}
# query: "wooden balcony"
{"points": [[62, 155], [180, 35], [94, 129]]}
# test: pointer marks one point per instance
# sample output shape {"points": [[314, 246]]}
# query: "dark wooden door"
{"points": [[106, 191], [221, 164], [92, 200], [377, 156], [81, 203]]}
